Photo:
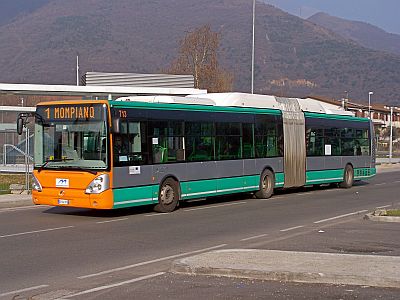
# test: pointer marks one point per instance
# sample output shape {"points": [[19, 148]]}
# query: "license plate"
{"points": [[63, 202]]}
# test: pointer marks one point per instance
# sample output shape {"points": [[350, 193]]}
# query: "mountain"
{"points": [[294, 57], [363, 33], [10, 9]]}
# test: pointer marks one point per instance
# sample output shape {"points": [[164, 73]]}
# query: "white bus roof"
{"points": [[99, 91], [266, 101], [168, 99], [242, 100]]}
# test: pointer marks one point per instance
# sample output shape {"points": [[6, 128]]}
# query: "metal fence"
{"points": [[16, 161], [383, 143]]}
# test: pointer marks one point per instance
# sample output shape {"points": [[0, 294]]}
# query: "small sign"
{"points": [[123, 158], [328, 149], [134, 170], [155, 141], [62, 182]]}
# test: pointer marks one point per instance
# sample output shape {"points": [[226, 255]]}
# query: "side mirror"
{"points": [[115, 125], [20, 125]]}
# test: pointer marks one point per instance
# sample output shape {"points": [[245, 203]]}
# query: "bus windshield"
{"points": [[71, 141]]}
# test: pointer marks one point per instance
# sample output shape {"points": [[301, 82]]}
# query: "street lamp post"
{"points": [[369, 104], [391, 135], [252, 51]]}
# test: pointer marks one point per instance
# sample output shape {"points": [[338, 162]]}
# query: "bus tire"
{"points": [[168, 196], [267, 183], [348, 177]]}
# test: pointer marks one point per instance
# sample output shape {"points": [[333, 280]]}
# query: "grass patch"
{"points": [[393, 213], [7, 179]]}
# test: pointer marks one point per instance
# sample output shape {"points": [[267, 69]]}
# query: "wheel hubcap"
{"points": [[349, 176], [167, 195], [266, 183]]}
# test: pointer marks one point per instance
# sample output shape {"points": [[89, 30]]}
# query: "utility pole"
{"points": [[77, 70], [369, 104], [391, 135], [252, 51]]}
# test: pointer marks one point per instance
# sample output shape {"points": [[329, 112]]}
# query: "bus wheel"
{"points": [[168, 196], [267, 183], [348, 177]]}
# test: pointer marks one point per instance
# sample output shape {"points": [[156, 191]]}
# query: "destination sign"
{"points": [[82, 112]]}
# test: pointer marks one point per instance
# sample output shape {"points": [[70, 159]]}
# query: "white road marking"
{"points": [[383, 183], [378, 207], [36, 231], [271, 198], [109, 221], [291, 228], [150, 262], [341, 216], [215, 206], [157, 214], [104, 287], [23, 290], [198, 208], [253, 237]]}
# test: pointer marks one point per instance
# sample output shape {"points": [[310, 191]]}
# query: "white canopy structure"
{"points": [[105, 92]]}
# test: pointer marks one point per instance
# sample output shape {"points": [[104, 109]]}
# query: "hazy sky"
{"points": [[382, 13]]}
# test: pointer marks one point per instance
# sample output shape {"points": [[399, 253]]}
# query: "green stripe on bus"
{"points": [[279, 179], [325, 176], [336, 117], [134, 196], [191, 107], [223, 186], [364, 173], [328, 176], [198, 189]]}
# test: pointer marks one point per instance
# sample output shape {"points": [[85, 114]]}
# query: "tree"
{"points": [[198, 55]]}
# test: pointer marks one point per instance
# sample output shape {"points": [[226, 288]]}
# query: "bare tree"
{"points": [[198, 55]]}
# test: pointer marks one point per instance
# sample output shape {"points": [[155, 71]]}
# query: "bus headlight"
{"points": [[36, 184], [98, 185]]}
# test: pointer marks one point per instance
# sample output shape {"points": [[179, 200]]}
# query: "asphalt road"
{"points": [[50, 253]]}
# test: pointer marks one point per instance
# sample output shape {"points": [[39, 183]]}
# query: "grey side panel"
{"points": [[162, 171], [194, 171], [200, 170], [316, 163], [249, 167], [294, 142], [333, 162], [229, 168], [122, 178], [357, 161], [275, 163], [319, 163]]}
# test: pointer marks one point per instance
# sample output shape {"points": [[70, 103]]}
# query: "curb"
{"points": [[10, 203], [381, 218], [289, 266]]}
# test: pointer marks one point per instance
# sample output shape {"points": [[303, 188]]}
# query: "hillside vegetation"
{"points": [[293, 56]]}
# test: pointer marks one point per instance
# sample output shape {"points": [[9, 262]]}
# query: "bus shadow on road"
{"points": [[106, 214], [202, 202], [316, 187]]}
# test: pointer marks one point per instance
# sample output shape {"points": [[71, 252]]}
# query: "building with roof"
{"points": [[380, 113]]}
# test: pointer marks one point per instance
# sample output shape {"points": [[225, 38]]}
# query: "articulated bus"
{"points": [[161, 150]]}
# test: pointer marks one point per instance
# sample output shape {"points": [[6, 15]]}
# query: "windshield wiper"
{"points": [[81, 169], [53, 160]]}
